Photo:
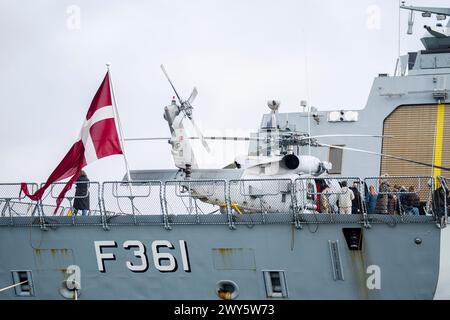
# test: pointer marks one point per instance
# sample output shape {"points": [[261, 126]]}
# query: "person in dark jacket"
{"points": [[81, 202], [356, 202], [393, 201], [412, 202], [381, 207], [440, 197]]}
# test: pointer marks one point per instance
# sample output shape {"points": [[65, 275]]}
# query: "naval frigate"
{"points": [[271, 225]]}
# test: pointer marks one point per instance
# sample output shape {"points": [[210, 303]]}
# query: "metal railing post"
{"points": [[8, 203], [363, 204], [165, 210], [295, 206], [41, 215], [227, 195], [133, 210], [103, 208]]}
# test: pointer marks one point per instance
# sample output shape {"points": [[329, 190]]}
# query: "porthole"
{"points": [[227, 290]]}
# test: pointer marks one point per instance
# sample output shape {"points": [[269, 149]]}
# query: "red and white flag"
{"points": [[98, 138]]}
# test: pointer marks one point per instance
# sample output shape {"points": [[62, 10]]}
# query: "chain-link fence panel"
{"points": [[136, 202], [83, 198], [14, 203], [250, 196], [329, 195], [195, 202], [399, 195]]}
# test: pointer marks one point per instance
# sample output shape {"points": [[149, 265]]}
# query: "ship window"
{"points": [[275, 284], [25, 288], [335, 157]]}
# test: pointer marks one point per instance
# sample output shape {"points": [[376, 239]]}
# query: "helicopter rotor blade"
{"points": [[197, 138], [193, 95], [346, 135], [199, 133], [145, 139], [384, 155], [171, 84], [229, 138]]}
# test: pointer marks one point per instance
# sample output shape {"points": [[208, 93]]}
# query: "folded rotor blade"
{"points": [[199, 133], [192, 96], [384, 155], [171, 84]]}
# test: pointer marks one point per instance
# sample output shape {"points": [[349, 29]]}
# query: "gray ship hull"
{"points": [[398, 259]]}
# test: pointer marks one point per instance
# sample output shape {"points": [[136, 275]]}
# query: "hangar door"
{"points": [[421, 133]]}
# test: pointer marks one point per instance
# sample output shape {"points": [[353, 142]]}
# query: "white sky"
{"points": [[239, 54]]}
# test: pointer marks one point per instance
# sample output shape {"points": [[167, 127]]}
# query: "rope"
{"points": [[13, 286]]}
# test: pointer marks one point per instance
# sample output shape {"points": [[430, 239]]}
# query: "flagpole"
{"points": [[119, 126]]}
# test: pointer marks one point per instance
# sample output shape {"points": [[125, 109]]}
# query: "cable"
{"points": [[13, 286]]}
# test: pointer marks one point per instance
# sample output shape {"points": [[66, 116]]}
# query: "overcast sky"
{"points": [[238, 54]]}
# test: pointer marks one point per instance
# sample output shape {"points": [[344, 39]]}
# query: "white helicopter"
{"points": [[270, 174]]}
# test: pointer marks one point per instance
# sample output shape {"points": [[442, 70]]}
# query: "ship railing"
{"points": [[12, 196], [196, 202], [253, 201], [91, 195], [330, 199], [15, 205], [233, 202], [409, 197], [132, 202], [67, 213]]}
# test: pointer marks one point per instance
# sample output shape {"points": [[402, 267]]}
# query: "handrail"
{"points": [[231, 197]]}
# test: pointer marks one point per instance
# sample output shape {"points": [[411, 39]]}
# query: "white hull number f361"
{"points": [[163, 259]]}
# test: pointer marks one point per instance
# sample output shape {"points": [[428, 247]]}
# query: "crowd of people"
{"points": [[395, 200]]}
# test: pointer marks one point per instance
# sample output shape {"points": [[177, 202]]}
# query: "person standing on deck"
{"points": [[325, 200], [81, 202], [371, 199], [381, 206], [356, 202], [346, 197]]}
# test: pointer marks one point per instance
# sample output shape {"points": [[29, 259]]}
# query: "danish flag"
{"points": [[98, 138]]}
